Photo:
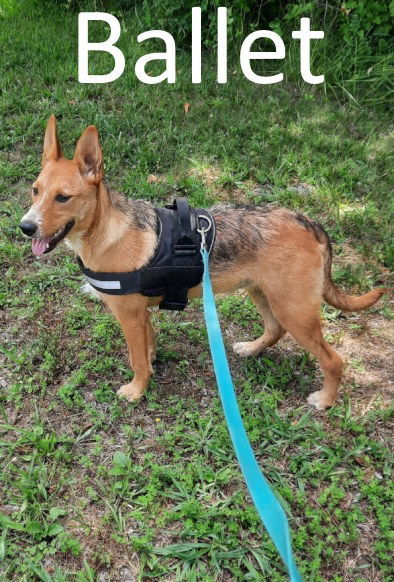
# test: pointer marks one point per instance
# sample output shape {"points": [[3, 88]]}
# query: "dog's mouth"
{"points": [[40, 246]]}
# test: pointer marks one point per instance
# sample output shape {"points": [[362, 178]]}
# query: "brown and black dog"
{"points": [[281, 258]]}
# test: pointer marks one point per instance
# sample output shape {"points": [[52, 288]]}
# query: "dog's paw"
{"points": [[130, 392], [244, 349], [318, 400]]}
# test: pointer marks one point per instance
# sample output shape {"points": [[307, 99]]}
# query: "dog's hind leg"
{"points": [[273, 330], [302, 321]]}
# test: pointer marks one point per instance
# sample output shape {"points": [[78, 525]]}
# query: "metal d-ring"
{"points": [[203, 231]]}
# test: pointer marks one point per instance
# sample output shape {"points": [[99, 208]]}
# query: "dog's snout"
{"points": [[28, 227]]}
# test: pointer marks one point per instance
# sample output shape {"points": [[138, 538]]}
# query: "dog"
{"points": [[281, 258]]}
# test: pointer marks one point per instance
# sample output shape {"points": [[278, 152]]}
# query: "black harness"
{"points": [[176, 265]]}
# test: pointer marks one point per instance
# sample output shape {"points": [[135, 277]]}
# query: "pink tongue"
{"points": [[39, 245]]}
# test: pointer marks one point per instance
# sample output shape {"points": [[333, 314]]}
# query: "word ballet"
{"points": [[304, 35]]}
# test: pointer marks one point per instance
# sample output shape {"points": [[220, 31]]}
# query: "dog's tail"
{"points": [[331, 293], [338, 298], [341, 300]]}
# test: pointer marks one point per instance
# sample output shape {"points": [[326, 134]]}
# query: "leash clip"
{"points": [[203, 231]]}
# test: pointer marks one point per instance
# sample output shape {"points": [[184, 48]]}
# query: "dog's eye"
{"points": [[62, 198], [35, 191]]}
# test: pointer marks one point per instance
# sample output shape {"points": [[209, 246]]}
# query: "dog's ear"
{"points": [[52, 148], [88, 155]]}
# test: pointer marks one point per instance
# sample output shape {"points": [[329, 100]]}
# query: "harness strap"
{"points": [[185, 243], [112, 283]]}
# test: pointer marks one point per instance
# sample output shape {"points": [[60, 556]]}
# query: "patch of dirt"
{"points": [[301, 188], [95, 534], [223, 191], [348, 256], [209, 175], [366, 342]]}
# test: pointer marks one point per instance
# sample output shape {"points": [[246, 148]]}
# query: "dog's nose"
{"points": [[27, 227]]}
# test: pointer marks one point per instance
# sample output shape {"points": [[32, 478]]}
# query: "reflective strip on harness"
{"points": [[103, 284]]}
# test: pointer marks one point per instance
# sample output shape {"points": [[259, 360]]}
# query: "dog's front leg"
{"points": [[135, 332], [133, 316]]}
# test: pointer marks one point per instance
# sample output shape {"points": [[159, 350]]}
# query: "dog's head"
{"points": [[64, 195]]}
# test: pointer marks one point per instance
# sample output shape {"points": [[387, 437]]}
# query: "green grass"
{"points": [[95, 487]]}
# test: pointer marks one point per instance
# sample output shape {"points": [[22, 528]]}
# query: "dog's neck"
{"points": [[112, 241]]}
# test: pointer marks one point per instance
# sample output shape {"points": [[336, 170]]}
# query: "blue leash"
{"points": [[268, 507]]}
